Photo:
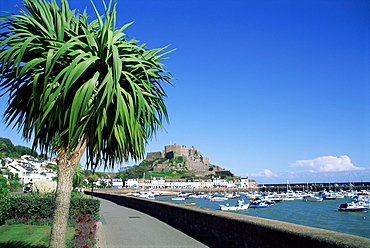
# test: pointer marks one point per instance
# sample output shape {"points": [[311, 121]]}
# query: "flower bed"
{"points": [[85, 228], [86, 232]]}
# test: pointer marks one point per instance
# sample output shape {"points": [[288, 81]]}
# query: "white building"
{"points": [[29, 169], [248, 183], [162, 183], [131, 183]]}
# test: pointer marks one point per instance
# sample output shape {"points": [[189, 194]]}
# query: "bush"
{"points": [[30, 205], [4, 200], [84, 206], [179, 159], [44, 186]]}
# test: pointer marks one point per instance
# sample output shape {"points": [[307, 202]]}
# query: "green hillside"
{"points": [[8, 149]]}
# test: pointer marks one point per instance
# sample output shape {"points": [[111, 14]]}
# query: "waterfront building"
{"points": [[163, 183]]}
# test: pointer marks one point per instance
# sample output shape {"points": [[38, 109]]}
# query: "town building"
{"points": [[29, 169], [163, 183]]}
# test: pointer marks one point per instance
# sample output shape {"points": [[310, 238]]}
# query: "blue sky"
{"points": [[273, 90]]}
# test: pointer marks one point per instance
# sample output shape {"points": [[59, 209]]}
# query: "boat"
{"points": [[258, 204], [328, 195], [219, 198], [352, 207], [232, 195], [287, 198], [276, 200], [339, 195], [240, 206], [183, 194], [178, 198], [267, 200], [197, 195], [189, 203], [312, 198], [253, 196], [147, 195]]}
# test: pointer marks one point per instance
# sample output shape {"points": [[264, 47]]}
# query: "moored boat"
{"points": [[197, 195], [277, 200], [258, 204], [328, 195], [183, 194], [147, 195], [267, 200], [232, 195], [219, 198], [352, 207], [312, 198], [178, 198], [240, 206], [288, 199]]}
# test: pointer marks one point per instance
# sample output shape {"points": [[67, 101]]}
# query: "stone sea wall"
{"points": [[223, 229]]}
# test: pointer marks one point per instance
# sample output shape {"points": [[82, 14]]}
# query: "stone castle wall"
{"points": [[181, 150], [150, 156]]}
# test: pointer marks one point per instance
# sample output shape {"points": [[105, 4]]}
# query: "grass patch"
{"points": [[19, 236]]}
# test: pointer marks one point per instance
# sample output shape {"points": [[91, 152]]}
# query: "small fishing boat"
{"points": [[240, 206], [352, 207], [189, 203], [258, 204]]}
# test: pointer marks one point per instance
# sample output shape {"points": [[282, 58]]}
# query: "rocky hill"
{"points": [[182, 158]]}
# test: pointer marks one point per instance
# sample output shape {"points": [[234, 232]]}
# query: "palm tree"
{"points": [[76, 86]]}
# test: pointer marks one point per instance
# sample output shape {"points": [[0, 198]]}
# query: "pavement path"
{"points": [[125, 227]]}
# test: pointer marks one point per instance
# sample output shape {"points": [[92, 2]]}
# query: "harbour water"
{"points": [[322, 214]]}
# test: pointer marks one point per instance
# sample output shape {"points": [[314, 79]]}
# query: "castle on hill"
{"points": [[184, 158]]}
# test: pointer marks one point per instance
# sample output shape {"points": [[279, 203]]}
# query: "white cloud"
{"points": [[327, 164], [264, 173]]}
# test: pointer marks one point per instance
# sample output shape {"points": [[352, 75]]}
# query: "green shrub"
{"points": [[4, 204], [28, 205], [31, 204], [179, 159], [84, 206]]}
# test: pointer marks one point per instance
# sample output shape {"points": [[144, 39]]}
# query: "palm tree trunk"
{"points": [[67, 164]]}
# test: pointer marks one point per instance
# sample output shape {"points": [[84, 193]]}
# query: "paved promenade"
{"points": [[125, 227]]}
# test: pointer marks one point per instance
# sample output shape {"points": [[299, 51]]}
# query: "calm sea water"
{"points": [[323, 214]]}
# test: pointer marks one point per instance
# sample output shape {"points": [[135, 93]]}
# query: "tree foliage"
{"points": [[77, 177], [77, 86], [67, 77]]}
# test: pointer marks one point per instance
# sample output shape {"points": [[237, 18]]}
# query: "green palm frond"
{"points": [[67, 78]]}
